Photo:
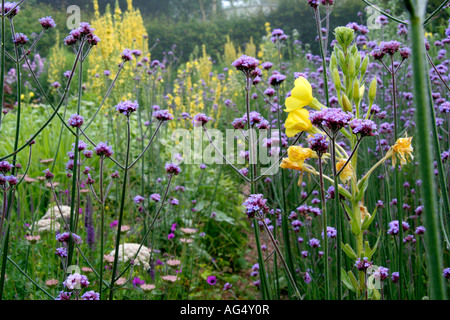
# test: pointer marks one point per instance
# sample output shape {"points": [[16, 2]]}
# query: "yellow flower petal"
{"points": [[297, 121], [301, 95]]}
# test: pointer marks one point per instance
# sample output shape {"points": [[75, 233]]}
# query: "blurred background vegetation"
{"points": [[191, 23]]}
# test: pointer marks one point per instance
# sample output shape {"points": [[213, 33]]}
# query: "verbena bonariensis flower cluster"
{"points": [[344, 209]]}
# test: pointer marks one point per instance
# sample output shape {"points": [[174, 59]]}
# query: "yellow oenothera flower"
{"points": [[347, 173], [301, 95], [287, 163], [403, 149], [299, 154], [297, 121]]}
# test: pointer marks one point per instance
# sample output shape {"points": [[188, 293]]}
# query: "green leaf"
{"points": [[354, 281], [349, 211], [349, 251], [368, 221], [356, 229], [374, 249], [222, 217], [346, 280], [345, 193], [376, 295]]}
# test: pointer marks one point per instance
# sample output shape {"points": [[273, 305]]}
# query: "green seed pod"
{"points": [[357, 60], [337, 79], [342, 61], [352, 67], [364, 65], [356, 93], [373, 90], [346, 104]]}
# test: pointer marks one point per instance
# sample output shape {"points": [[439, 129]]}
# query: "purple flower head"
{"points": [[90, 295], [307, 278], [314, 4], [102, 149], [381, 273], [172, 168], [389, 47], [227, 286], [267, 65], [276, 79], [138, 199], [363, 264], [127, 107], [127, 55], [48, 175], [277, 32], [245, 64], [395, 276], [115, 175], [11, 8], [318, 143], [61, 252], [76, 281], [365, 128], [420, 230], [163, 115], [405, 52], [155, 197], [446, 273], [212, 280], [239, 123], [93, 40], [377, 54], [114, 224], [47, 23], [333, 118], [64, 295], [331, 232], [20, 39], [314, 243], [200, 120], [174, 202], [444, 107], [5, 167], [255, 203], [170, 236], [137, 282], [75, 121]]}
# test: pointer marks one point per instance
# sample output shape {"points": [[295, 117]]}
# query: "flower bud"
{"points": [[336, 79], [356, 92], [346, 104], [344, 36], [364, 65], [352, 67], [373, 90]]}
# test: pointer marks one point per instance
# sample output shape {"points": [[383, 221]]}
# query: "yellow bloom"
{"points": [[363, 211], [403, 149], [299, 154], [297, 121], [286, 163], [301, 95], [347, 173]]}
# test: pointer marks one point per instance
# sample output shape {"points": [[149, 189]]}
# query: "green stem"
{"points": [[122, 206], [429, 192]]}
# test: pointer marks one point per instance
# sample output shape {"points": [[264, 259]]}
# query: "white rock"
{"points": [[131, 249]]}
